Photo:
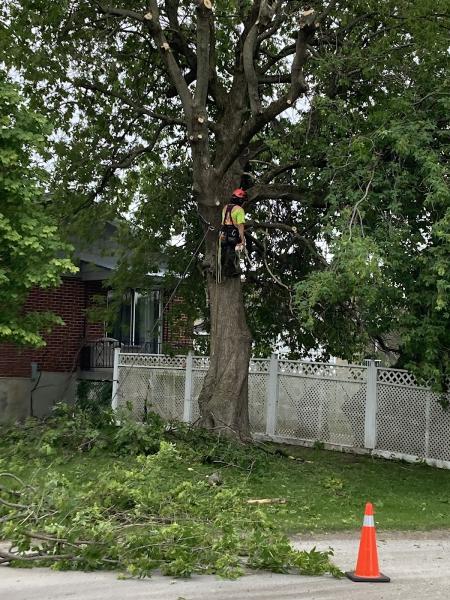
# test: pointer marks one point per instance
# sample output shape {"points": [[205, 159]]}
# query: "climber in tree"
{"points": [[232, 237]]}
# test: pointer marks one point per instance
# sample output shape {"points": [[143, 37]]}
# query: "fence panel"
{"points": [[410, 419], [151, 382], [321, 402], [258, 379], [439, 435]]}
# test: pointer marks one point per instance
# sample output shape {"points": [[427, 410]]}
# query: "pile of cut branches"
{"points": [[140, 514]]}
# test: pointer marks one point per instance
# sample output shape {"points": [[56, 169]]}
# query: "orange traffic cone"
{"points": [[367, 564]]}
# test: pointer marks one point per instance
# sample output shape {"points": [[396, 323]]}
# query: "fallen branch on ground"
{"points": [[267, 501], [7, 557]]}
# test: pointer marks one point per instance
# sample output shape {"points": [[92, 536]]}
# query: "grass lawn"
{"points": [[329, 490]]}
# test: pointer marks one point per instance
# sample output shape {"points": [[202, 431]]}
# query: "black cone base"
{"points": [[381, 579]]}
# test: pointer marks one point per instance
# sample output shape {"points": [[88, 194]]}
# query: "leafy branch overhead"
{"points": [[31, 251]]}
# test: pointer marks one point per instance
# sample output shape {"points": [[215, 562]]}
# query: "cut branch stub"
{"points": [[148, 16], [307, 19], [266, 12], [205, 3]]}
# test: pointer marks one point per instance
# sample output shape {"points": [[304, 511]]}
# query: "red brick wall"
{"points": [[69, 301]]}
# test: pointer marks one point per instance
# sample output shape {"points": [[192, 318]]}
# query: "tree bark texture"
{"points": [[223, 399]]}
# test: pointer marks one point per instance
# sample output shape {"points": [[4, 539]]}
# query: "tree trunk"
{"points": [[223, 400]]}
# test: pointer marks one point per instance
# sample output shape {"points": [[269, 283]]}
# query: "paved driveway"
{"points": [[418, 564]]}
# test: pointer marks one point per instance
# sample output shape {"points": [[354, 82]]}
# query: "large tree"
{"points": [[325, 111]]}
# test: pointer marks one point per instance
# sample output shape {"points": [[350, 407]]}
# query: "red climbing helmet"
{"points": [[240, 193]]}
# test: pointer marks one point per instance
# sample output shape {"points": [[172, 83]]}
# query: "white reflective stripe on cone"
{"points": [[368, 521]]}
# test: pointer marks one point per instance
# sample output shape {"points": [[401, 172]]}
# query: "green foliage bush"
{"points": [[94, 396], [73, 429]]}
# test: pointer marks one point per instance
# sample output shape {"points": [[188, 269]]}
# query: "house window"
{"points": [[147, 327], [121, 328], [138, 320]]}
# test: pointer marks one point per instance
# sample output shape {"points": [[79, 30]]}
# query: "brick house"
{"points": [[32, 380]]}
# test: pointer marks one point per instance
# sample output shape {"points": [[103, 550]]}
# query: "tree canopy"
{"points": [[336, 115], [31, 251]]}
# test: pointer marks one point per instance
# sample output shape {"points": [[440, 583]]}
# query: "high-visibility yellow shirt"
{"points": [[237, 214]]}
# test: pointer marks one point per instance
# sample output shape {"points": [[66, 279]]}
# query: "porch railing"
{"points": [[99, 354]]}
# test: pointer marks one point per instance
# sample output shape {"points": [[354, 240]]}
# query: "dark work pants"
{"points": [[230, 261]]}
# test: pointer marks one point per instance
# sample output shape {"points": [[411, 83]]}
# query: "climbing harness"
{"points": [[228, 239]]}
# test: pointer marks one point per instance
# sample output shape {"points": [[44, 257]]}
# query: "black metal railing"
{"points": [[100, 354]]}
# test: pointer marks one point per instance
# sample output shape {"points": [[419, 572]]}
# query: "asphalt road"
{"points": [[418, 564]]}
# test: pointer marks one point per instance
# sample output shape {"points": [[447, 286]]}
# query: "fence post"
{"points": [[427, 424], [115, 382], [272, 396], [370, 419], [187, 413]]}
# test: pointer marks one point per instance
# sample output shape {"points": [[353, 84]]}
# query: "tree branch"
{"points": [[266, 11], [121, 12], [273, 173], [204, 15], [273, 60], [308, 26], [12, 504], [294, 232], [151, 21], [307, 29], [140, 110], [384, 346], [218, 92], [281, 191], [123, 163], [274, 79], [127, 160], [179, 43], [276, 24], [179, 37], [248, 55]]}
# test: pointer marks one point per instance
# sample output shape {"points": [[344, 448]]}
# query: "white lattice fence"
{"points": [[321, 402], [372, 409], [257, 394], [151, 382], [410, 419]]}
